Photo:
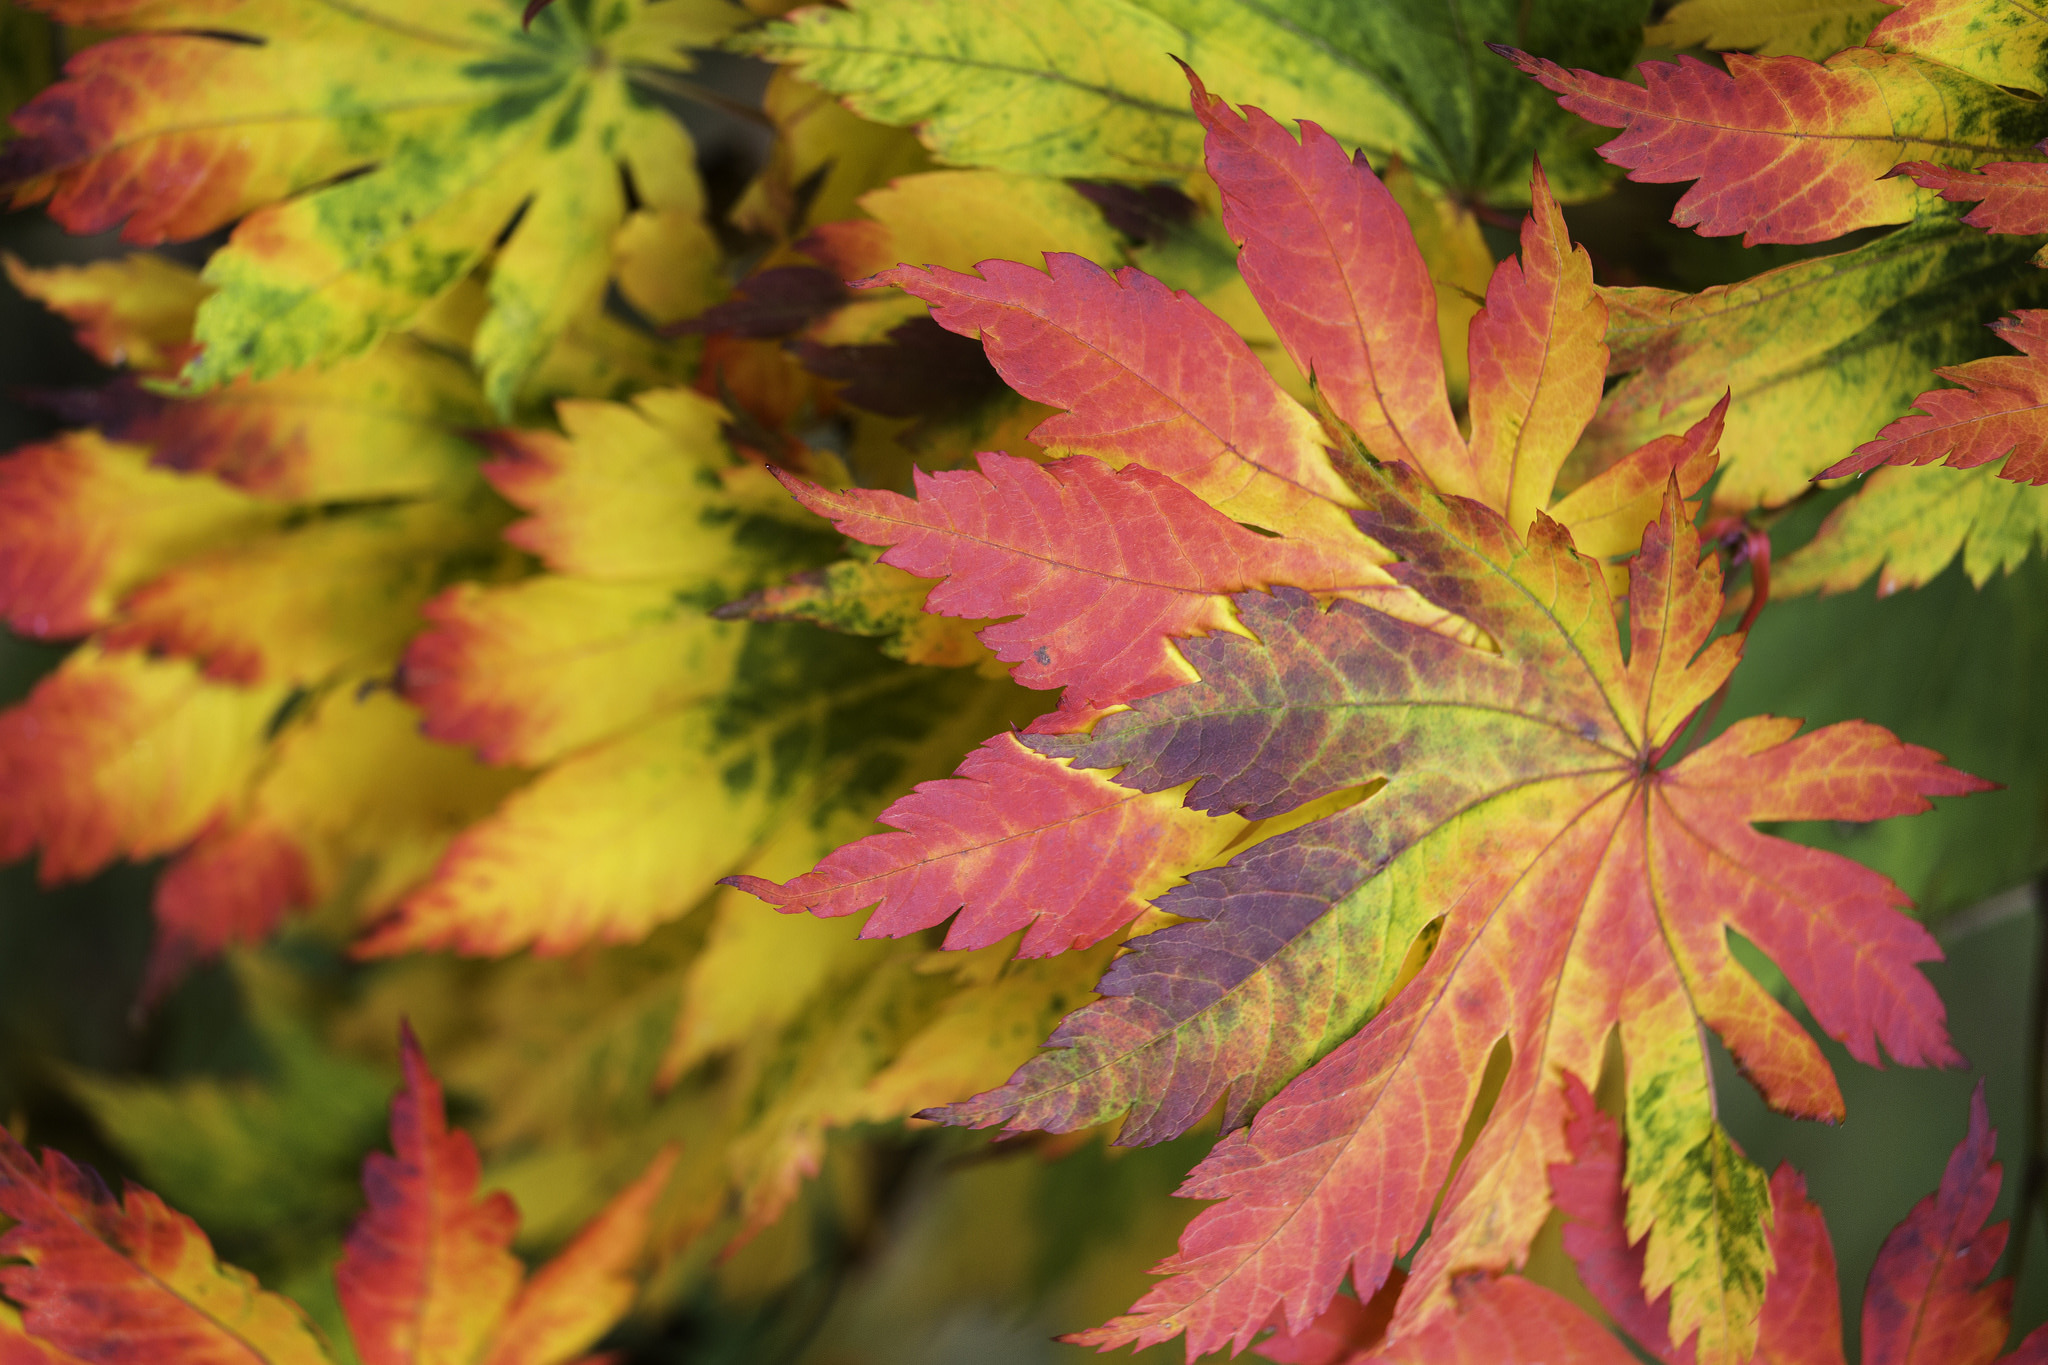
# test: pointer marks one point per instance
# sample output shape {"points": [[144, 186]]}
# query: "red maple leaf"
{"points": [[1786, 149]]}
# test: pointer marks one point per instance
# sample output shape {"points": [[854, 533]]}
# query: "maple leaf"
{"points": [[1786, 149], [1268, 978], [1496, 847], [372, 158], [1087, 90], [1802, 28], [427, 1274]]}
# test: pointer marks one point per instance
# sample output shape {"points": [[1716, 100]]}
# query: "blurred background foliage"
{"points": [[939, 1246]]}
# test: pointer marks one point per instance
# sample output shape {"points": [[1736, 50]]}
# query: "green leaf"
{"points": [[1819, 355], [1088, 88]]}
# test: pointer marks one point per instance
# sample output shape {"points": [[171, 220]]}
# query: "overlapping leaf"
{"points": [[1909, 522], [248, 563], [1819, 354], [1068, 89], [611, 674], [1102, 571], [1927, 1299], [427, 1275], [745, 1036], [373, 157], [1785, 148]]}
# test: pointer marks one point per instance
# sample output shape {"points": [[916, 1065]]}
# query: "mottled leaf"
{"points": [[392, 422], [862, 597], [1819, 355], [2000, 42], [807, 724], [372, 157], [1075, 90], [1769, 28]]}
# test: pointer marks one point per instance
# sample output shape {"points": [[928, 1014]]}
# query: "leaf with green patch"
{"points": [[373, 157], [1090, 90]]}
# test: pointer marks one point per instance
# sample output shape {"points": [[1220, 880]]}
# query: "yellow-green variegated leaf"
{"points": [[1906, 524], [1818, 355], [374, 153], [1089, 88], [1815, 29], [670, 745]]}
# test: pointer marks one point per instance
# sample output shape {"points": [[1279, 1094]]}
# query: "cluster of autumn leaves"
{"points": [[477, 566]]}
